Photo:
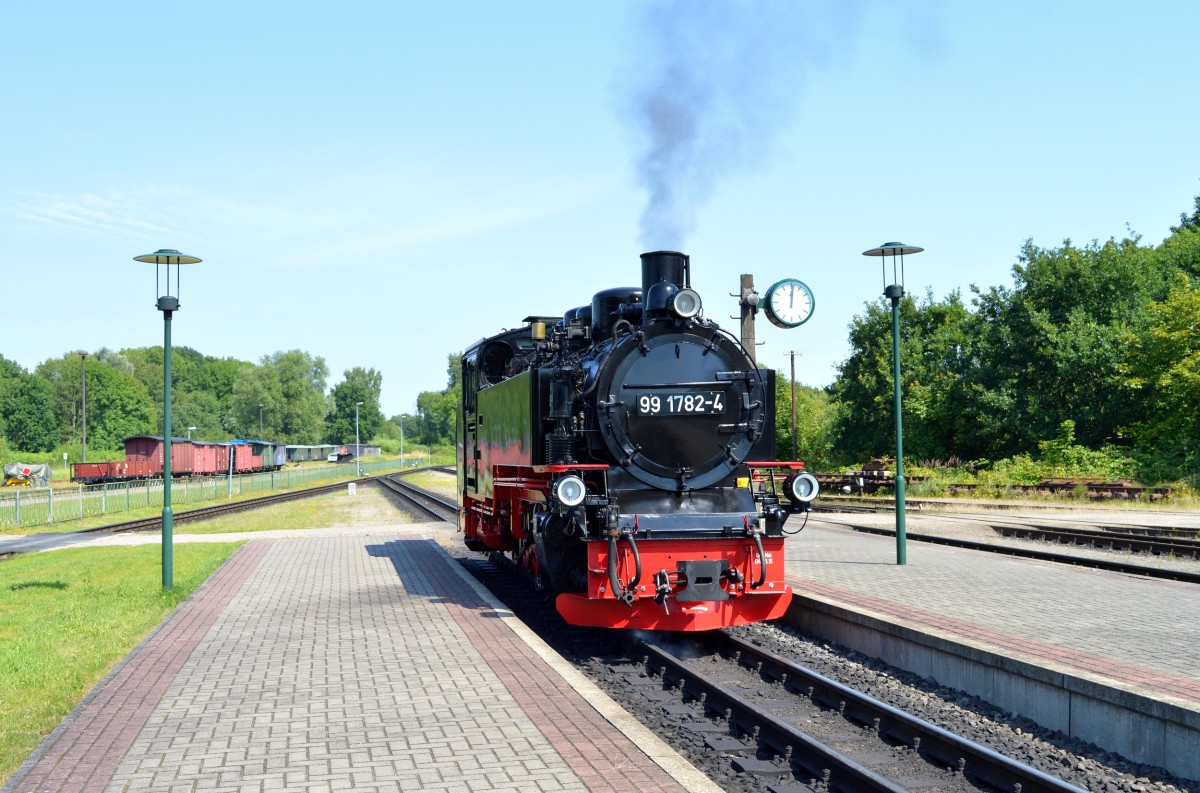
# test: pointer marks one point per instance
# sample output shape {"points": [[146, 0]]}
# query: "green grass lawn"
{"points": [[445, 484], [331, 509], [67, 617]]}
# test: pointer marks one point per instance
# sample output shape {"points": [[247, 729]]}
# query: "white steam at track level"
{"points": [[714, 84]]}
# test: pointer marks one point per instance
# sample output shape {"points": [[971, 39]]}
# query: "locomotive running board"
{"points": [[645, 614]]}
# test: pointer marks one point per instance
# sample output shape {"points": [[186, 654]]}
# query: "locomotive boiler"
{"points": [[623, 455]]}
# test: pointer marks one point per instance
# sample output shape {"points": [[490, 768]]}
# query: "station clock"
{"points": [[789, 303]]}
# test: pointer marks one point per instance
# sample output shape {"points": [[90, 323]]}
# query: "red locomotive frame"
{"points": [[499, 524]]}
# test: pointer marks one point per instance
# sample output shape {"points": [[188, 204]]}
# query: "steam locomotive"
{"points": [[623, 455]]}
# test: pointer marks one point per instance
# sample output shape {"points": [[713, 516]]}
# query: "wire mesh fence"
{"points": [[29, 507]]}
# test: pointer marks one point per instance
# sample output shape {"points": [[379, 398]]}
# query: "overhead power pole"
{"points": [[795, 439]]}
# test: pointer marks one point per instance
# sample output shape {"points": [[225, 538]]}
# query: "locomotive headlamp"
{"points": [[802, 488], [570, 491], [686, 303]]}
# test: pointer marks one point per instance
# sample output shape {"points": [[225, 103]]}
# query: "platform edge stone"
{"points": [[1054, 698]]}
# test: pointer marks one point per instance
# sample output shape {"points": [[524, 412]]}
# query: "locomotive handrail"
{"points": [[623, 594], [637, 561], [620, 324], [756, 534]]}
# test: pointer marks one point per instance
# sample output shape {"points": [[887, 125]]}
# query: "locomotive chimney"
{"points": [[666, 278], [665, 266]]}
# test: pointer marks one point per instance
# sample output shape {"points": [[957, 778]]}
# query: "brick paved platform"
{"points": [[1107, 657], [332, 664]]}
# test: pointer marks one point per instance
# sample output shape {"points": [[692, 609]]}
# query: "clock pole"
{"points": [[749, 304]]}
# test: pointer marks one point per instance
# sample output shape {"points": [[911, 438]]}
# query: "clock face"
{"points": [[789, 303]]}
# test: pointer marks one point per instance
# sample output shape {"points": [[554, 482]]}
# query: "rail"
{"points": [[1027, 553], [420, 500], [802, 754]]}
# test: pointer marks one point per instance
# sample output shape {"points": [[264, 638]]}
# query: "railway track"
{"points": [[421, 502], [1158, 540], [782, 722], [1028, 553], [1134, 540], [874, 506]]}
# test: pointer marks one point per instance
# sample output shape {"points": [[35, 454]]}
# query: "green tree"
{"points": [[1164, 371], [10, 369], [401, 428], [201, 388], [290, 387], [815, 415], [359, 385], [114, 359], [27, 413], [932, 346], [118, 404], [1048, 350], [437, 411]]}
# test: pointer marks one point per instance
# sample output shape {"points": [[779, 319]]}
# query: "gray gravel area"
{"points": [[1079, 763]]}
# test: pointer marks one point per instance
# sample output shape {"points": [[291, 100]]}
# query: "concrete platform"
{"points": [[348, 663], [1109, 658]]}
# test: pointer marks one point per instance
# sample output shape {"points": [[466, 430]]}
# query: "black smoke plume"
{"points": [[714, 84]]}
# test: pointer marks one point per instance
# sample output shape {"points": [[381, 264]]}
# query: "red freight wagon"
{"points": [[106, 472], [208, 458], [150, 447], [244, 459], [143, 447]]}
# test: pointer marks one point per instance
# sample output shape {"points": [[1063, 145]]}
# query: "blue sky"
{"points": [[381, 184]]}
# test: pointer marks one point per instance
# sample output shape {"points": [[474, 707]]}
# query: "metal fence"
{"points": [[42, 506]]}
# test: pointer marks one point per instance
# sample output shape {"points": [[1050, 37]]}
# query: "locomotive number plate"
{"points": [[704, 403]]}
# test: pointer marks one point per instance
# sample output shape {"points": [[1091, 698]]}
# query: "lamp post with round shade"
{"points": [[167, 304], [894, 292], [83, 399], [357, 445]]}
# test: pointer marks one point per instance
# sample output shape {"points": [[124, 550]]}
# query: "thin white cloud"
{"points": [[157, 212], [371, 217], [107, 215]]}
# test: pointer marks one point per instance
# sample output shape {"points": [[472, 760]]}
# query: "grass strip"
{"points": [[67, 617], [317, 512]]}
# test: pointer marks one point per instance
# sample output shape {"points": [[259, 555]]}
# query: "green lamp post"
{"points": [[167, 304], [894, 292], [357, 443]]}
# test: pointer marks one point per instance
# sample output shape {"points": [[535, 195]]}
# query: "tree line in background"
{"points": [[222, 398], [1090, 360], [1091, 357]]}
